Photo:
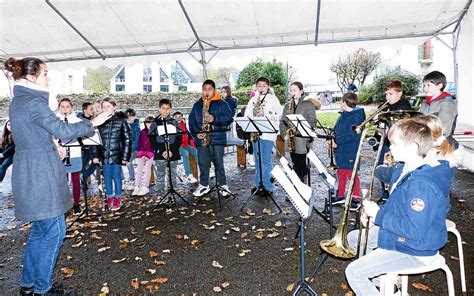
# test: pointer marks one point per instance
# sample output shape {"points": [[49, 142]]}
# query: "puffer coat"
{"points": [[116, 138]]}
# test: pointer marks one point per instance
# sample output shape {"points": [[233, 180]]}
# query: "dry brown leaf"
{"points": [[152, 271], [178, 236], [344, 286], [159, 280], [290, 287], [421, 286], [135, 284], [278, 223], [217, 289], [105, 289], [333, 270], [156, 232], [454, 258], [236, 229], [119, 260], [144, 282], [68, 257], [159, 263], [288, 249], [273, 234], [153, 254], [216, 264], [78, 244], [95, 236], [166, 251], [225, 284], [122, 246], [349, 293], [194, 242], [152, 288], [68, 272], [208, 211], [259, 234], [244, 235]]}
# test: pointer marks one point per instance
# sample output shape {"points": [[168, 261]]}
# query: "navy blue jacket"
{"points": [[223, 116], [412, 221], [135, 127], [347, 139]]}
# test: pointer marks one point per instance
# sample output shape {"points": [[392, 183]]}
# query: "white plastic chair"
{"points": [[388, 280], [451, 226]]}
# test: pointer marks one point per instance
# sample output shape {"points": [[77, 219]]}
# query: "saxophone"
{"points": [[205, 127], [258, 106], [291, 131]]}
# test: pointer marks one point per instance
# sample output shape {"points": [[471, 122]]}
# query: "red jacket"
{"points": [[186, 138]]}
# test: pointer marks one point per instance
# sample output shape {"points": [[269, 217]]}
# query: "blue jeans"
{"points": [[113, 173], [131, 167], [206, 155], [7, 162], [267, 165], [184, 151], [41, 251], [161, 173], [380, 261]]}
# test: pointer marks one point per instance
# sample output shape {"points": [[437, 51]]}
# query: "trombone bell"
{"points": [[338, 248]]}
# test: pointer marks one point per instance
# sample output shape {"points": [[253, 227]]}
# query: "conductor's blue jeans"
{"points": [[41, 251]]}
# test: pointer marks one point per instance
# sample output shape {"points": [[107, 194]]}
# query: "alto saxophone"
{"points": [[205, 127], [254, 137], [291, 131]]}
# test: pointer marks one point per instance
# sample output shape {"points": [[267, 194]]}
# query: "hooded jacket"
{"points": [[445, 107], [271, 109], [223, 116], [39, 182], [413, 220], [347, 139], [135, 129], [116, 140]]}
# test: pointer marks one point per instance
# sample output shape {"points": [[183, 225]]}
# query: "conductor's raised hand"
{"points": [[101, 118]]}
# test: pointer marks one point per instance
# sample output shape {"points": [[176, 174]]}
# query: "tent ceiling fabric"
{"points": [[119, 28]]}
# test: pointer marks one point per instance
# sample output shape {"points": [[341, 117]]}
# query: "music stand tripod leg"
{"points": [[303, 285]]}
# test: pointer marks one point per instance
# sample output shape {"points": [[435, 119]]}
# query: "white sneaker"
{"points": [[201, 191], [136, 189], [251, 161], [191, 179], [143, 191], [225, 192], [129, 185]]}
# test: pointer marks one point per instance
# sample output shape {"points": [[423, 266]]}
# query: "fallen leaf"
{"points": [[144, 282], [178, 236], [166, 251], [119, 260], [105, 289], [225, 284], [77, 245], [421, 286], [208, 211], [288, 249], [244, 235], [95, 236], [138, 259], [273, 234], [135, 284], [103, 249], [152, 288], [159, 263], [278, 223], [68, 257], [344, 286], [152, 271], [149, 227], [153, 254], [194, 242], [159, 280], [454, 258], [290, 287], [217, 289], [68, 272], [227, 231], [259, 234], [217, 264], [236, 229], [156, 232]]}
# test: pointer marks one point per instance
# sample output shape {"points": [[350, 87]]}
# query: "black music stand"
{"points": [[94, 140], [260, 125], [166, 130], [300, 196]]}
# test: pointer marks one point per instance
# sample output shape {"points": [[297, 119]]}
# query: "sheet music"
{"points": [[303, 189], [169, 127], [321, 168], [254, 124], [302, 125], [303, 207], [95, 140]]}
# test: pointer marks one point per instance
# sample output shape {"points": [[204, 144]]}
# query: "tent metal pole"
{"points": [[316, 31], [75, 29], [202, 51]]}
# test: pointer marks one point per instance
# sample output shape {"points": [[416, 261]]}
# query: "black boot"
{"points": [[24, 291], [56, 290]]}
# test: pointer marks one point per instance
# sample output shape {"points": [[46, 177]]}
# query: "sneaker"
{"points": [[355, 204], [24, 291], [76, 208], [338, 200], [225, 192], [136, 189], [117, 204], [110, 203], [251, 162], [191, 179], [201, 191], [130, 185], [143, 191]]}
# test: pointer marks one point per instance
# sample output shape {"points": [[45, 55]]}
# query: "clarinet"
{"points": [[67, 159]]}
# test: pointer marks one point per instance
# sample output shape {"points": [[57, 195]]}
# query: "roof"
{"points": [[67, 30]]}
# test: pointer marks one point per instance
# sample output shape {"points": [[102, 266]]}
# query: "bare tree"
{"points": [[354, 67]]}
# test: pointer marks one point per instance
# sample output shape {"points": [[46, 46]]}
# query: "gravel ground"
{"points": [[206, 250]]}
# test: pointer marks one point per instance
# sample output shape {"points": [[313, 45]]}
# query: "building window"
{"points": [[147, 88], [119, 87], [147, 77], [164, 88], [182, 88], [120, 76], [163, 77]]}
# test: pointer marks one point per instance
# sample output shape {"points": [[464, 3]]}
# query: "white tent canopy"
{"points": [[67, 30]]}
